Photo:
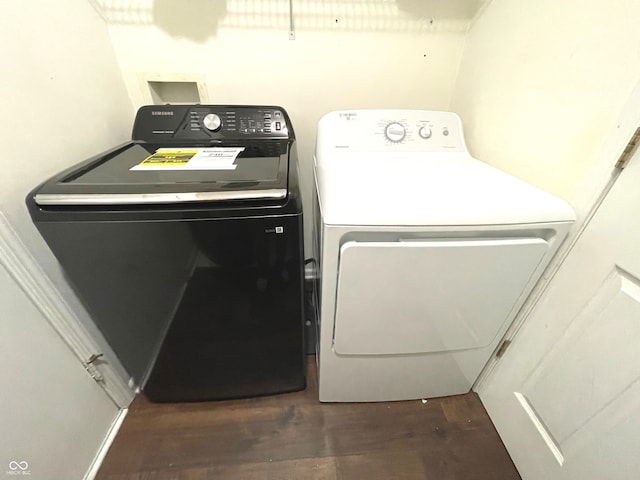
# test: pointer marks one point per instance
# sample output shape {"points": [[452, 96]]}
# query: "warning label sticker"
{"points": [[217, 158]]}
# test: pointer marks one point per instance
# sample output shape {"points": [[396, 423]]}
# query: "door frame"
{"points": [[32, 279], [599, 180]]}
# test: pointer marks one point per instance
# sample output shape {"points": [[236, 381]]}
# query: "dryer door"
{"points": [[429, 296]]}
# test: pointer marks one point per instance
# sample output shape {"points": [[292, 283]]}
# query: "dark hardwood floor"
{"points": [[293, 436]]}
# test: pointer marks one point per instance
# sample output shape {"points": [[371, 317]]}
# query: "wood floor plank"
{"points": [[293, 436], [306, 469], [403, 465]]}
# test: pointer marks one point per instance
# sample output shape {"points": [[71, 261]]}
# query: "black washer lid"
{"points": [[258, 173]]}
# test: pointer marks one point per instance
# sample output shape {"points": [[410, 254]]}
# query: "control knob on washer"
{"points": [[395, 132], [212, 122]]}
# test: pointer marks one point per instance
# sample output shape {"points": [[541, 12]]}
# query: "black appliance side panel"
{"points": [[129, 275], [238, 331], [220, 299]]}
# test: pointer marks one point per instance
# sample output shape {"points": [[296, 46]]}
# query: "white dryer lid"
{"points": [[448, 189]]}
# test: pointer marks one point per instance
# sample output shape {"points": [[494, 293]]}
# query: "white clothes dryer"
{"points": [[424, 254]]}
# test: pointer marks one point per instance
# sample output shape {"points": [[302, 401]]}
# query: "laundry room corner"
{"points": [[561, 118], [541, 87]]}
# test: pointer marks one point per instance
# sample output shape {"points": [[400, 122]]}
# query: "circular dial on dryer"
{"points": [[424, 132], [395, 132], [212, 122]]}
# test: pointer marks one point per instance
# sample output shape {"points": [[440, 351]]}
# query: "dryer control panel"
{"points": [[391, 131], [210, 123]]}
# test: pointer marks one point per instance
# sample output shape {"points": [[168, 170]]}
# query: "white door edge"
{"points": [[532, 299], [106, 445], [598, 183], [28, 274]]}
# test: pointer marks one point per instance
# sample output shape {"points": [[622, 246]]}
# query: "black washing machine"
{"points": [[185, 245]]}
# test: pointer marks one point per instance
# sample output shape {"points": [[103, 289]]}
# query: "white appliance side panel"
{"points": [[412, 297]]}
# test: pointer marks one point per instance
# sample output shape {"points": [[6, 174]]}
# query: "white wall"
{"points": [[542, 84], [63, 100], [345, 55]]}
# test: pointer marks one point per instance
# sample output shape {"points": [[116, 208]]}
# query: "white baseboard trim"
{"points": [[106, 445]]}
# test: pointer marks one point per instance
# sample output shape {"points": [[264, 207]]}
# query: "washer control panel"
{"points": [[392, 130], [210, 123]]}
